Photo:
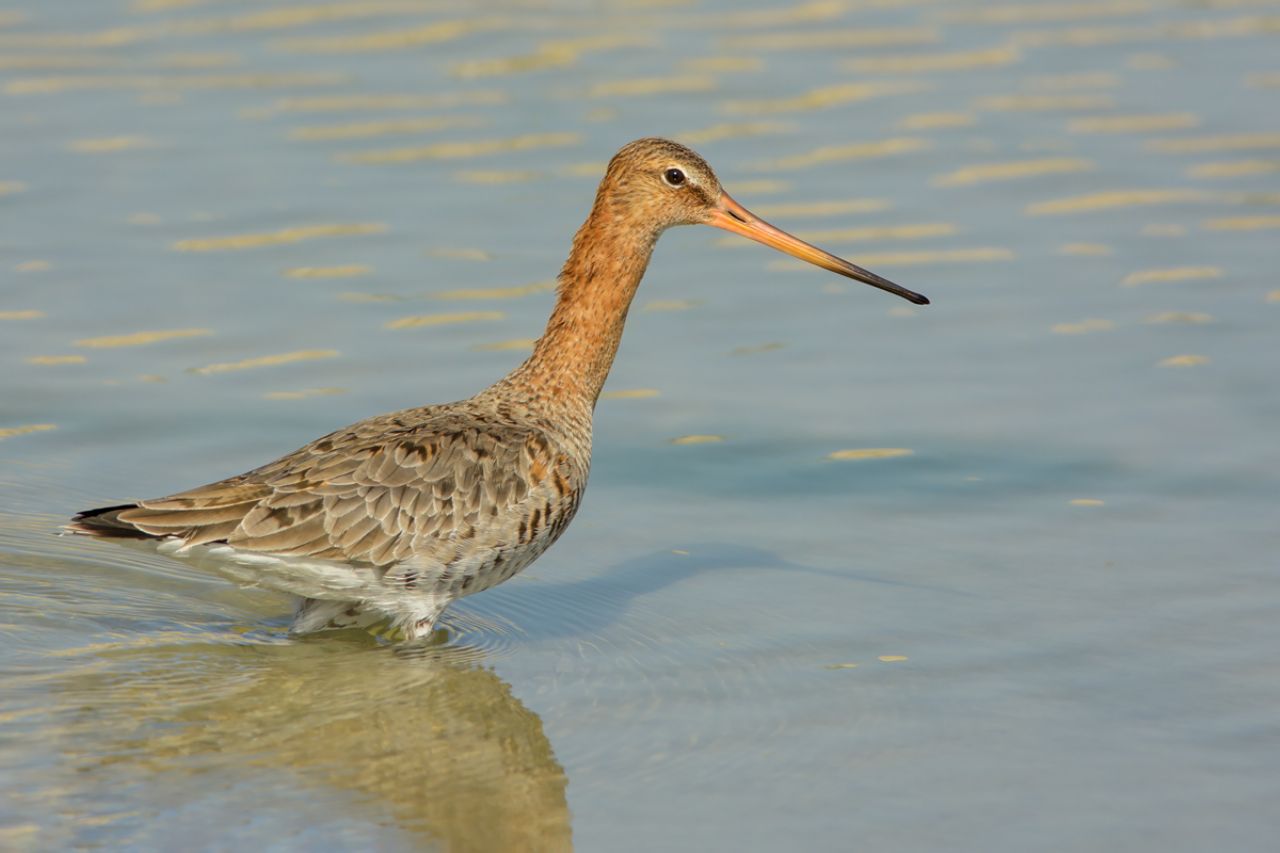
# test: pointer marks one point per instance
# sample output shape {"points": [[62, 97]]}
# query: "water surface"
{"points": [[994, 574]]}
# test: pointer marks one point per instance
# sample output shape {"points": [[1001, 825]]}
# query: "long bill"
{"points": [[731, 216]]}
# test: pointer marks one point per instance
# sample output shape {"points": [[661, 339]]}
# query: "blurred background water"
{"points": [[995, 574]]}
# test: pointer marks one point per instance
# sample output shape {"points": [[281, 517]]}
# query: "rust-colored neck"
{"points": [[611, 250]]}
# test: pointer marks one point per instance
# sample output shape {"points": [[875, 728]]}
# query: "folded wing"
{"points": [[375, 493]]}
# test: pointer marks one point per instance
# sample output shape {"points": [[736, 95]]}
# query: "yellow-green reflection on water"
{"points": [[10, 432], [435, 739], [275, 238], [265, 361]]}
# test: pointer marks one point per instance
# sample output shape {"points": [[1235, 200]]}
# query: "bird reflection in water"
{"points": [[430, 736]]}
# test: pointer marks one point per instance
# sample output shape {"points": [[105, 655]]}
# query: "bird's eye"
{"points": [[673, 177]]}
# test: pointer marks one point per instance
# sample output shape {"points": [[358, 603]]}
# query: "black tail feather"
{"points": [[105, 521]]}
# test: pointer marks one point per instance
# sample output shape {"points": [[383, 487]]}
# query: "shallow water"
{"points": [[1046, 621]]}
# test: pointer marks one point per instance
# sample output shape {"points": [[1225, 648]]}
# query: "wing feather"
{"points": [[378, 492], [300, 539]]}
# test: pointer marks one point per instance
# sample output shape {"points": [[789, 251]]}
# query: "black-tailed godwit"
{"points": [[393, 518]]}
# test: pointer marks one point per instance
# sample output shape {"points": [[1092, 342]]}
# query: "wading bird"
{"points": [[393, 518]]}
